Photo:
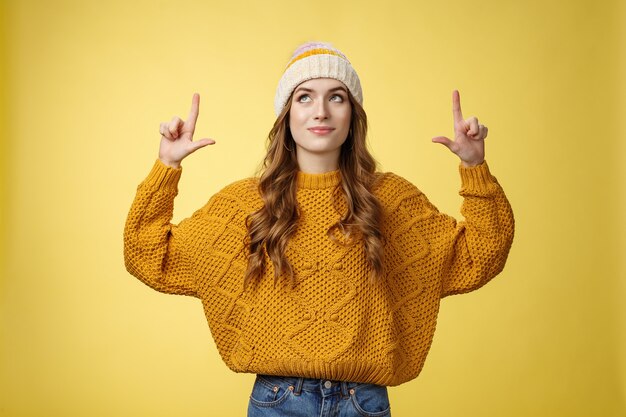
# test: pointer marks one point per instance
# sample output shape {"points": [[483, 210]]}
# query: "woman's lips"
{"points": [[321, 130]]}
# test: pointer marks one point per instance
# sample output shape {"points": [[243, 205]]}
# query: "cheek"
{"points": [[295, 119], [296, 126], [347, 118]]}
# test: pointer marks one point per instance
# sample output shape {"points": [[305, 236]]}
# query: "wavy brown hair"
{"points": [[271, 227]]}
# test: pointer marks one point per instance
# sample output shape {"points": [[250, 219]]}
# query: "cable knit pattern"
{"points": [[335, 323]]}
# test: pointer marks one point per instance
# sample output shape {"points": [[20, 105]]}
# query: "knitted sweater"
{"points": [[335, 323]]}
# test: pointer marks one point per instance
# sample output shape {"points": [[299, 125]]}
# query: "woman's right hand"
{"points": [[177, 137]]}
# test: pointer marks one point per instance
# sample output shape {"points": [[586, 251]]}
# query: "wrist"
{"points": [[469, 164], [171, 164]]}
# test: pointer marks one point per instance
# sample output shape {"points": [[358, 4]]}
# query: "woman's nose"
{"points": [[321, 111]]}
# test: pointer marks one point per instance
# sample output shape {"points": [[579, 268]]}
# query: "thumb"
{"points": [[443, 140], [200, 144]]}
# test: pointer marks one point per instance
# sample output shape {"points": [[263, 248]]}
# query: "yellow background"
{"points": [[86, 83]]}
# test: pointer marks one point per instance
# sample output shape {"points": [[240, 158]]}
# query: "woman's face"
{"points": [[319, 120]]}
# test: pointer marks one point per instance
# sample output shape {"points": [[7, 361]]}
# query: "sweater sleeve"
{"points": [[155, 251], [471, 252], [479, 245]]}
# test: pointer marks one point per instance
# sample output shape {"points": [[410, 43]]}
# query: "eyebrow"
{"points": [[330, 91]]}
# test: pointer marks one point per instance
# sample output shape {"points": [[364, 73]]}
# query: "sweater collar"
{"points": [[318, 181]]}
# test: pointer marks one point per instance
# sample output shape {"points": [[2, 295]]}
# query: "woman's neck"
{"points": [[312, 163]]}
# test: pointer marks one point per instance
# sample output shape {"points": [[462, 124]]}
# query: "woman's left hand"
{"points": [[469, 136]]}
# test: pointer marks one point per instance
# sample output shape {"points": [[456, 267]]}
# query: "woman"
{"points": [[323, 276]]}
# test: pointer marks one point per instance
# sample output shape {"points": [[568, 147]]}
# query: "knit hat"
{"points": [[316, 60]]}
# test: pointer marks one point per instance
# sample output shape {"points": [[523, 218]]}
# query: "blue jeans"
{"points": [[293, 396]]}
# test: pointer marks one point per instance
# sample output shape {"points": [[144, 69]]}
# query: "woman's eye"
{"points": [[334, 97]]}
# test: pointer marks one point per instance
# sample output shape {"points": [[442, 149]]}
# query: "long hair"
{"points": [[271, 227]]}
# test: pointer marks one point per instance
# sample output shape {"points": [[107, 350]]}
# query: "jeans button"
{"points": [[328, 384]]}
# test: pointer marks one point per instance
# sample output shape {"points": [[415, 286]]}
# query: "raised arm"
{"points": [[479, 245], [156, 251]]}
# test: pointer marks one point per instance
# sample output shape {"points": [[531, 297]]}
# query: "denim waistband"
{"points": [[299, 384]]}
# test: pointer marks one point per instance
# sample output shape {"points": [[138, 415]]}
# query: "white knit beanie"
{"points": [[316, 60]]}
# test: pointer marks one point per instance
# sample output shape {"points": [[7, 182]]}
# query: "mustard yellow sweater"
{"points": [[335, 323]]}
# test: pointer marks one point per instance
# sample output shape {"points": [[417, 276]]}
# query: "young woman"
{"points": [[322, 276]]}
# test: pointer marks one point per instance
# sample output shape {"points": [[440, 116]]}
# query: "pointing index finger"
{"points": [[456, 107], [193, 113]]}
